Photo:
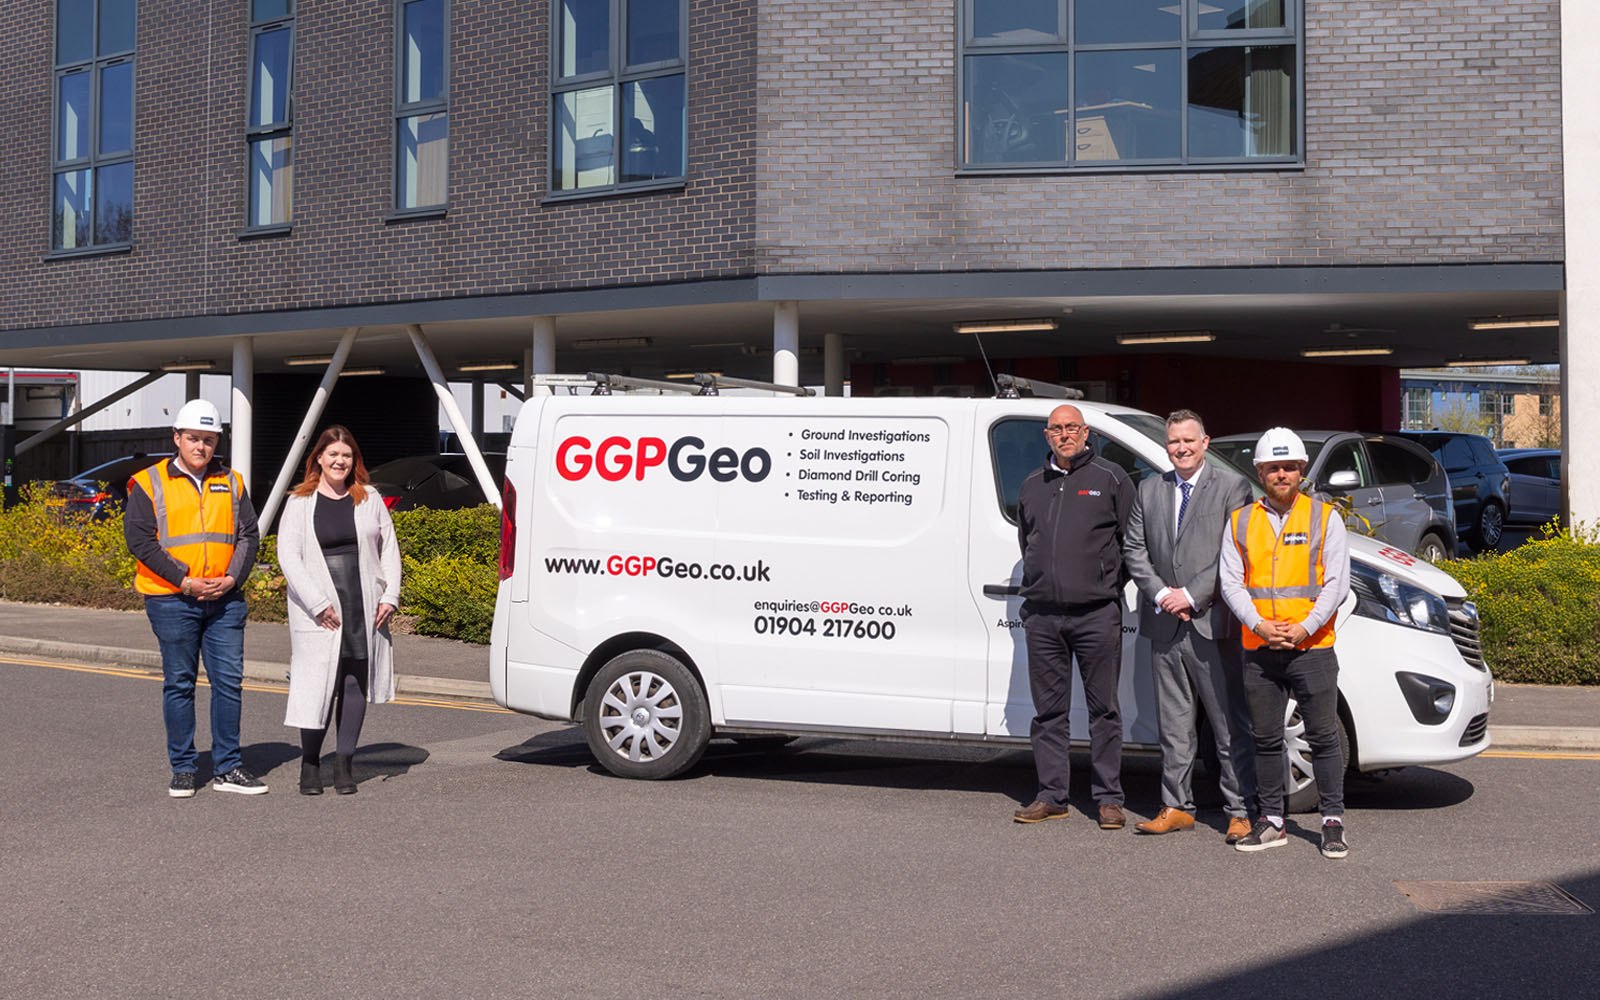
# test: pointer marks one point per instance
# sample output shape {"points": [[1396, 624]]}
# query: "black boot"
{"points": [[310, 778], [343, 782]]}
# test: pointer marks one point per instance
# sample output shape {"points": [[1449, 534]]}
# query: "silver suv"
{"points": [[1396, 486]]}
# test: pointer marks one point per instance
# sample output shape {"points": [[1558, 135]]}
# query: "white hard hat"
{"points": [[198, 415], [1280, 444]]}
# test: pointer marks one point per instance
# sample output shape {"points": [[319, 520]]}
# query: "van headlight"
{"points": [[1387, 598]]}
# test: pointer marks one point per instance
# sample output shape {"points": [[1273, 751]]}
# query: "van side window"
{"points": [[1136, 467], [1392, 463], [1455, 455], [1017, 447], [1346, 457]]}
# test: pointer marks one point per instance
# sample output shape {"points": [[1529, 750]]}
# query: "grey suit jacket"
{"points": [[1157, 559]]}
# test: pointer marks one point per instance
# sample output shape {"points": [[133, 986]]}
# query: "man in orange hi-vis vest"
{"points": [[193, 531], [1284, 569]]}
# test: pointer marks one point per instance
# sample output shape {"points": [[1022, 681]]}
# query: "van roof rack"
{"points": [[709, 383], [1016, 387], [605, 382]]}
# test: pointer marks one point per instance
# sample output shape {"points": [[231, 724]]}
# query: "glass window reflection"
{"points": [[116, 108], [584, 37], [73, 116], [69, 218], [422, 51], [653, 30], [585, 140], [1015, 108], [422, 179], [269, 81], [1103, 21], [113, 204], [1015, 21], [271, 181], [1241, 101], [116, 26], [1127, 106], [267, 10], [74, 30], [1240, 15], [653, 129]]}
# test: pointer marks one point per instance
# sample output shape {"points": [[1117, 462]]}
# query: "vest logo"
{"points": [[1088, 493], [1296, 538], [218, 487]]}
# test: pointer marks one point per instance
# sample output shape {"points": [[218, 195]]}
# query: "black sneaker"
{"points": [[1333, 845], [1262, 836], [241, 781], [182, 786]]}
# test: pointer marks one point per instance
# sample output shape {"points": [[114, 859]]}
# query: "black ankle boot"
{"points": [[310, 778], [343, 782]]}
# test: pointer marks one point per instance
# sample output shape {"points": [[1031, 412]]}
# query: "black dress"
{"points": [[335, 524]]}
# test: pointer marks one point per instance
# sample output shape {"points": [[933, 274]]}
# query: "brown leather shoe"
{"points": [[1111, 817], [1038, 812], [1238, 829], [1168, 820]]}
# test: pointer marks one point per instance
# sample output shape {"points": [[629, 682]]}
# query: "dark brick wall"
{"points": [[188, 258], [1432, 136]]}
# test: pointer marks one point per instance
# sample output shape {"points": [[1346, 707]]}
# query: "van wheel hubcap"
{"points": [[640, 716]]}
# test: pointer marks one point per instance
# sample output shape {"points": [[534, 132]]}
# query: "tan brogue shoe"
{"points": [[1111, 817], [1168, 820], [1038, 812], [1238, 829]]}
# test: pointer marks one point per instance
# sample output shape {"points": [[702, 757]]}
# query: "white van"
{"points": [[675, 568]]}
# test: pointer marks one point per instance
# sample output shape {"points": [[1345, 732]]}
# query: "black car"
{"points": [[1480, 483], [1393, 485], [437, 482], [1535, 484], [101, 491]]}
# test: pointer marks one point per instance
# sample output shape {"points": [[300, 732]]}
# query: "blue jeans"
{"points": [[186, 628]]}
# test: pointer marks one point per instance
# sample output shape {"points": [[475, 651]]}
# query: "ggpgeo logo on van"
{"points": [[616, 458]]}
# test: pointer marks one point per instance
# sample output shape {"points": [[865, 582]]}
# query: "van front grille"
{"points": [[1464, 630], [1475, 729]]}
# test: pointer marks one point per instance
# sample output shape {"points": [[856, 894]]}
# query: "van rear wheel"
{"points": [[645, 716]]}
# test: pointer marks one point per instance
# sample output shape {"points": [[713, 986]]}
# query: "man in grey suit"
{"points": [[1171, 547]]}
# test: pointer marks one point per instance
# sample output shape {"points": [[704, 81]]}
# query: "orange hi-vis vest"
{"points": [[196, 528], [1283, 571]]}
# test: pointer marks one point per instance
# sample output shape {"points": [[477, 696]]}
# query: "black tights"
{"points": [[349, 705]]}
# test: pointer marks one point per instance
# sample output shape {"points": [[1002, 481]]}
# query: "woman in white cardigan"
{"points": [[337, 550]]}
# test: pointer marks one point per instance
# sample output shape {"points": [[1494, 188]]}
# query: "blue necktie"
{"points": [[1184, 504]]}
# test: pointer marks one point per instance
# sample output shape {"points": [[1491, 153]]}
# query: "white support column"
{"points": [[452, 412], [297, 449], [243, 409], [786, 343], [542, 356], [1580, 303], [833, 364]]}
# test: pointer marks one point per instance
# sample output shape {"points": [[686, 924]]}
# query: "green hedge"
{"points": [[1539, 608], [447, 590]]}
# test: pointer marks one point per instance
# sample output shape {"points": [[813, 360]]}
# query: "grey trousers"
{"points": [[1192, 670]]}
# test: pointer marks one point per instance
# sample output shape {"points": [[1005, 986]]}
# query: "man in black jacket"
{"points": [[1070, 518]]}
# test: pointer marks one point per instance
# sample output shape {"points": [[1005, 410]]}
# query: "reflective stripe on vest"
{"points": [[1284, 579], [196, 527]]}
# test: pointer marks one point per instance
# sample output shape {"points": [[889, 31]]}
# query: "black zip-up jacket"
{"points": [[139, 531], [1070, 527]]}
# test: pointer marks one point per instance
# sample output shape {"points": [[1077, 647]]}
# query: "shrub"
{"points": [[266, 591], [450, 596], [472, 534], [47, 556], [1539, 608]]}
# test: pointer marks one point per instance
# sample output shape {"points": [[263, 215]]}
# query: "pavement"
{"points": [[1528, 717]]}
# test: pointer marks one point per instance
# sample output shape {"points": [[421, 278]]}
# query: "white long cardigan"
{"points": [[314, 650]]}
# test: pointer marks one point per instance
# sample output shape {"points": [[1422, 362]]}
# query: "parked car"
{"points": [[1395, 485], [1535, 484], [437, 482], [101, 491], [1480, 484]]}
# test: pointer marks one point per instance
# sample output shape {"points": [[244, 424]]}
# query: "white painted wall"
{"points": [[153, 406]]}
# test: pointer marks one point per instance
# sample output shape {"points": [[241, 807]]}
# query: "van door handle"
{"points": [[1374, 501], [1001, 590]]}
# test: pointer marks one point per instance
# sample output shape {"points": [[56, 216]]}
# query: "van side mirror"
{"points": [[1344, 480]]}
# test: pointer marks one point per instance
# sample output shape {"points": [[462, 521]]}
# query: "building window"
{"points": [[91, 198], [1547, 405], [1115, 84], [422, 104], [618, 96], [1419, 408], [269, 126], [1495, 405]]}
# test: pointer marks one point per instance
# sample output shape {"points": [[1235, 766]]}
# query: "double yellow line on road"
{"points": [[136, 673]]}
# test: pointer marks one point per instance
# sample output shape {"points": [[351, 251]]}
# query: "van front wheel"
{"points": [[1300, 789], [645, 716]]}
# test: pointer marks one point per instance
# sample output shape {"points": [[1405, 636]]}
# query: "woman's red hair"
{"points": [[358, 475]]}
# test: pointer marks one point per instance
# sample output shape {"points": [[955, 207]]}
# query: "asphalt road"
{"points": [[487, 856]]}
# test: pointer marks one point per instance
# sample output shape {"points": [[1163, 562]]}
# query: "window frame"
{"points": [[617, 74], [95, 65], [413, 109], [1190, 36], [272, 130]]}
